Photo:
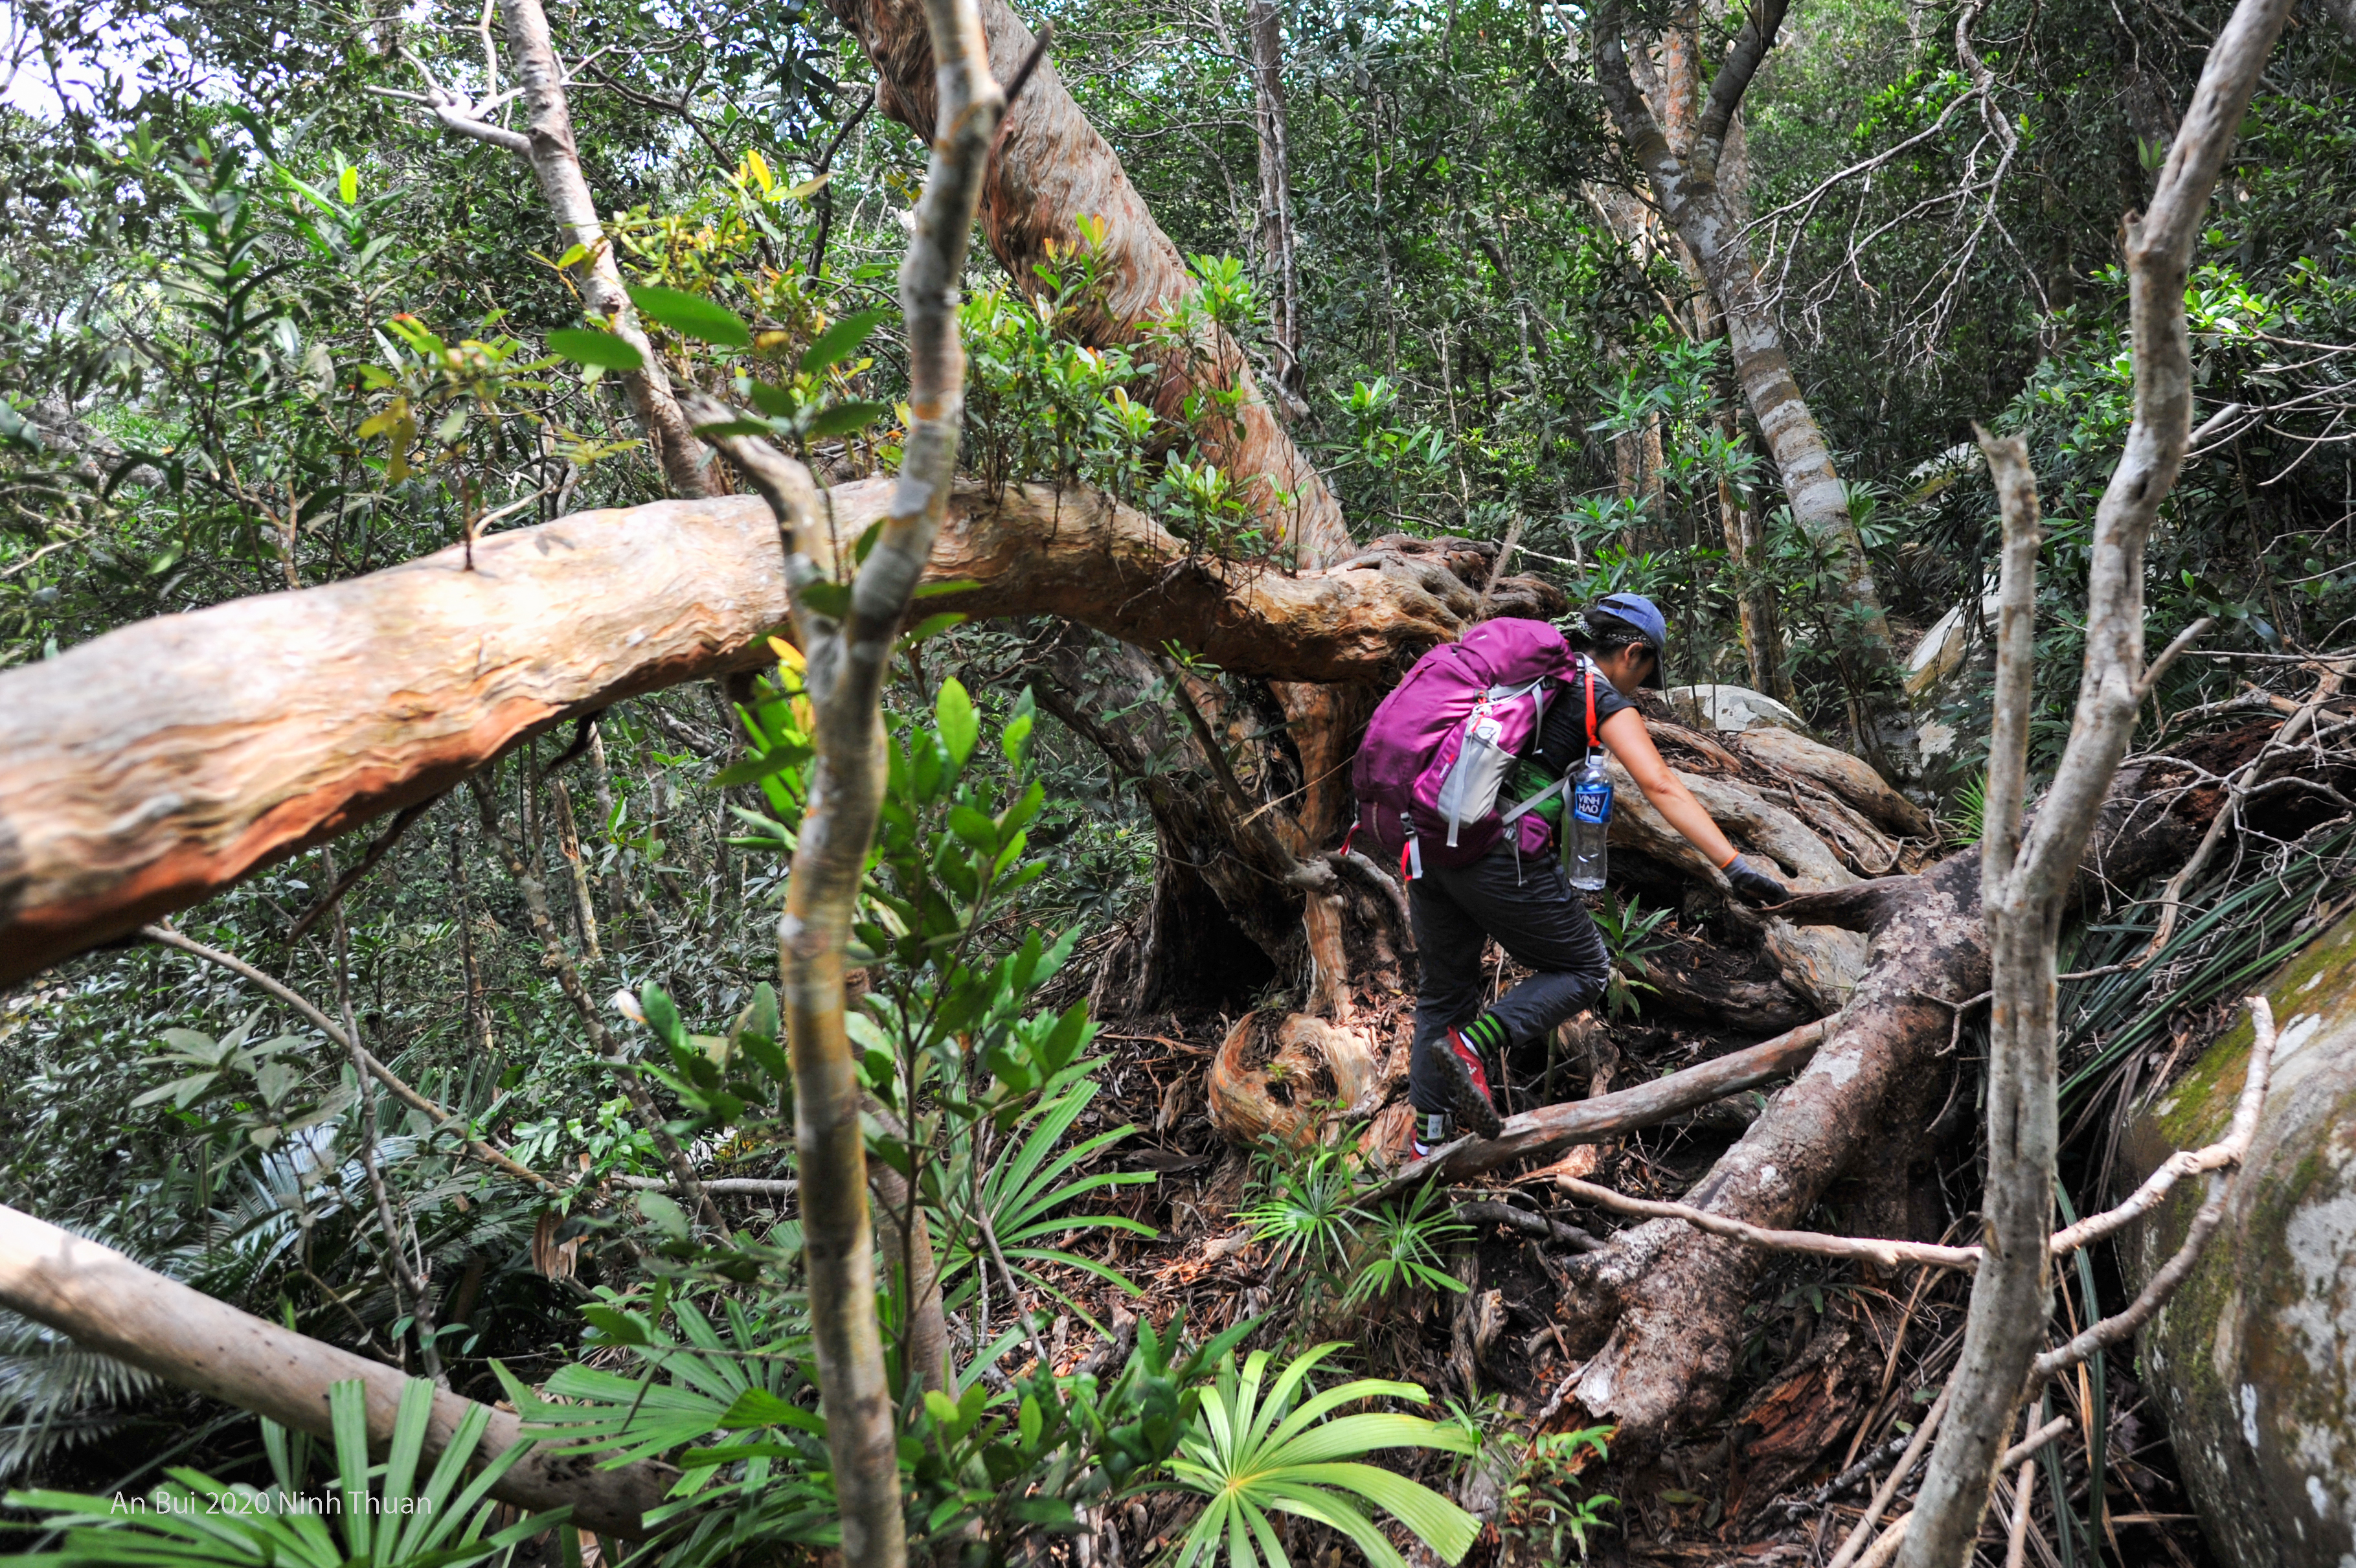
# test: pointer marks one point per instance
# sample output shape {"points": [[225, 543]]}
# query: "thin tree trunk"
{"points": [[601, 781], [556, 164], [568, 839], [2027, 875], [1687, 189], [847, 660], [414, 1283], [479, 1011], [567, 979], [1678, 99], [1264, 29]]}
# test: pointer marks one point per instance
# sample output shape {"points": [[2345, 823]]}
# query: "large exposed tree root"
{"points": [[1658, 1311], [1667, 1301]]}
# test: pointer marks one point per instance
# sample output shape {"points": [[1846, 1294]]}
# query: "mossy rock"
{"points": [[2254, 1361]]}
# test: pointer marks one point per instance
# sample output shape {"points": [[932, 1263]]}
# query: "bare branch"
{"points": [[1885, 1254], [2239, 789], [1862, 1534], [1552, 1127], [2167, 656], [376, 851], [2229, 1154]]}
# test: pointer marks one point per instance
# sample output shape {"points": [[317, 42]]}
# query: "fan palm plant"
{"points": [[193, 1518], [1252, 1454]]}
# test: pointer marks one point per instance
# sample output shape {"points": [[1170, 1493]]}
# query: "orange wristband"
{"points": [[1730, 859]]}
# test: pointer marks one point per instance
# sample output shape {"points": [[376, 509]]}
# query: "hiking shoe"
{"points": [[1468, 1088]]}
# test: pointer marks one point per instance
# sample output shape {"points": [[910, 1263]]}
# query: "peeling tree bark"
{"points": [[1049, 168], [234, 737]]}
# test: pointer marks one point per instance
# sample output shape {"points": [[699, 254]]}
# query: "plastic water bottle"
{"points": [[1585, 855]]}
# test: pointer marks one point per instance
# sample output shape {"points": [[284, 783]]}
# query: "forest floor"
{"points": [[1839, 1364]]}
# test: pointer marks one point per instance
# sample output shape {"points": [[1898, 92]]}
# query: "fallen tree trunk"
{"points": [[1667, 1300], [152, 766], [1659, 1309], [111, 1304], [1552, 1127]]}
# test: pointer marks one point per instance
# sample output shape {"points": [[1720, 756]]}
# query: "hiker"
{"points": [[1429, 779]]}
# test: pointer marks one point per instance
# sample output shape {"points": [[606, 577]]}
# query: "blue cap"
{"points": [[1645, 617]]}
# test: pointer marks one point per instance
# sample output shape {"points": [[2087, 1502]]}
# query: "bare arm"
{"points": [[1625, 734]]}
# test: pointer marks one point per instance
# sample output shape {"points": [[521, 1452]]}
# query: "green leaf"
{"points": [[974, 828], [736, 427], [758, 1407], [587, 346], [955, 586], [777, 403], [831, 599], [865, 545], [845, 417], [842, 340], [691, 315], [664, 1215], [959, 728], [662, 1017], [1014, 740], [760, 766], [933, 626], [615, 1325], [1050, 1512]]}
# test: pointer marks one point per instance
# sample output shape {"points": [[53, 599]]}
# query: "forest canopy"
{"points": [[679, 688]]}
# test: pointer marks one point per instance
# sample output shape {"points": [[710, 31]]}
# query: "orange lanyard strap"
{"points": [[1592, 741]]}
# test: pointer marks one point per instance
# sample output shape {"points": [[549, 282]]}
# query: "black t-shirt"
{"points": [[1562, 743]]}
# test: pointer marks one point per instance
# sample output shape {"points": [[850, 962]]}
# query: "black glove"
{"points": [[1754, 882]]}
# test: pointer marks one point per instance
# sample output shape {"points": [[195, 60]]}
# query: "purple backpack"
{"points": [[1439, 747]]}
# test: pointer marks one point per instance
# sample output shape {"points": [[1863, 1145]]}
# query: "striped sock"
{"points": [[1485, 1034]]}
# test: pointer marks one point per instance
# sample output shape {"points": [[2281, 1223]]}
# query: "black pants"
{"points": [[1530, 907]]}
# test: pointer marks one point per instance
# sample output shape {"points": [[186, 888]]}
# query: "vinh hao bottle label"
{"points": [[1591, 800]]}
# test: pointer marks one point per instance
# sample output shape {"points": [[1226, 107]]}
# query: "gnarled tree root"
{"points": [[1671, 1298]]}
